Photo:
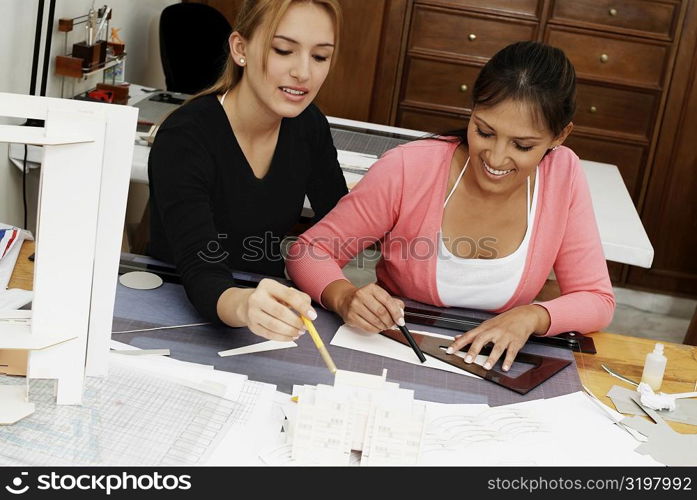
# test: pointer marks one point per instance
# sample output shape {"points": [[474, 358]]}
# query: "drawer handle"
{"points": [[464, 88], [593, 109], [613, 12], [472, 37], [604, 58]]}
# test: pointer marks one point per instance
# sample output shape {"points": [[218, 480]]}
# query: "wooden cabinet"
{"points": [[441, 85], [626, 113], [446, 44], [669, 211], [623, 52], [633, 17], [440, 31], [610, 58]]}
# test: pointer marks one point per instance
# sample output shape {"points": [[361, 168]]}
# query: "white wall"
{"points": [[16, 42], [138, 20]]}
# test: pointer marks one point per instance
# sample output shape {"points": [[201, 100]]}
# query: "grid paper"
{"points": [[374, 143], [126, 419]]}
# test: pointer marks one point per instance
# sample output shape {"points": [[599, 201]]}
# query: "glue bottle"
{"points": [[654, 366]]}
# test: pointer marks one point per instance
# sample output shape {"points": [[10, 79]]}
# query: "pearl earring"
{"points": [[555, 148], [242, 61]]}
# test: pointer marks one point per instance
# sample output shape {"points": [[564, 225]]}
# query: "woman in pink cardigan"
{"points": [[477, 219]]}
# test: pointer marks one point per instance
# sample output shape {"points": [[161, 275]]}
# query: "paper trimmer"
{"points": [[543, 367]]}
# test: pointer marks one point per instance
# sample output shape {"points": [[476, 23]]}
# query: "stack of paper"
{"points": [[355, 162], [11, 239], [568, 430]]}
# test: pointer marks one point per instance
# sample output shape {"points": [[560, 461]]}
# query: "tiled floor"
{"points": [[638, 314], [629, 320]]}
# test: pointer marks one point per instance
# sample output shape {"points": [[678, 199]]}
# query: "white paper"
{"points": [[19, 316], [200, 377], [269, 345], [122, 346], [131, 417], [142, 352], [242, 444], [354, 160], [359, 340], [14, 298], [568, 430], [13, 404]]}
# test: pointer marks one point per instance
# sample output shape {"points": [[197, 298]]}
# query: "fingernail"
{"points": [[301, 332], [450, 350], [487, 366], [295, 338], [312, 314], [458, 336], [506, 367], [400, 322], [468, 359]]}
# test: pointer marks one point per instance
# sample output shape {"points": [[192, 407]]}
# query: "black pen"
{"points": [[412, 343]]}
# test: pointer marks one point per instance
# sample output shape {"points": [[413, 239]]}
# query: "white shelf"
{"points": [[107, 65]]}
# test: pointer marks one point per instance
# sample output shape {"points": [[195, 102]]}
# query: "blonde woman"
{"points": [[230, 169]]}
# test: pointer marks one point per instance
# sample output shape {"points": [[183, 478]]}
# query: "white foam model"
{"points": [[88, 148], [360, 412]]}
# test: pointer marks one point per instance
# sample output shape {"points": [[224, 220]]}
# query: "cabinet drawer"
{"points": [[439, 82], [625, 61], [615, 270], [465, 35], [429, 121], [613, 109], [649, 17], [629, 158], [519, 7]]}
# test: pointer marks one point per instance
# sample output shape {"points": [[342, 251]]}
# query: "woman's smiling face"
{"points": [[506, 143]]}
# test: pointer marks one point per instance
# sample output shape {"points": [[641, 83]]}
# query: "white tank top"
{"points": [[486, 284]]}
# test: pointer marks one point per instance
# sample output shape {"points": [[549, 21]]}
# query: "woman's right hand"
{"points": [[370, 308], [271, 310]]}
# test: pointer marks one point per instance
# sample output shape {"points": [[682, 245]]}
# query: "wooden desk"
{"points": [[625, 355], [621, 353], [691, 335], [23, 274]]}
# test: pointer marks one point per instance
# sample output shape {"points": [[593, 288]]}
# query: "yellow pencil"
{"points": [[320, 345]]}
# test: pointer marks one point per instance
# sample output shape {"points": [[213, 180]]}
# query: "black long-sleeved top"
{"points": [[210, 214]]}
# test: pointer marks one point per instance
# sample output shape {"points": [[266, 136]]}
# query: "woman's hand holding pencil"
{"points": [[320, 345], [370, 308]]}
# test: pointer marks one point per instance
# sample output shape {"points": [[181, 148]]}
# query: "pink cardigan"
{"points": [[400, 203]]}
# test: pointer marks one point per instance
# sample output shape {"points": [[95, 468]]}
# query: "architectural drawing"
{"points": [[388, 427], [459, 431], [137, 416], [359, 413]]}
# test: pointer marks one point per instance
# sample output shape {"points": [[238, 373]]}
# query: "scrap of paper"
{"points": [[269, 345]]}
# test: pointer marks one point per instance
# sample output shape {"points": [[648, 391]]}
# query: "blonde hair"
{"points": [[252, 15]]}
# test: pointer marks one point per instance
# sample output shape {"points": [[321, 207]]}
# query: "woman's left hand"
{"points": [[508, 332]]}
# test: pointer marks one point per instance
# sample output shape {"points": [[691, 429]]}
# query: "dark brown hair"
{"points": [[529, 72]]}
